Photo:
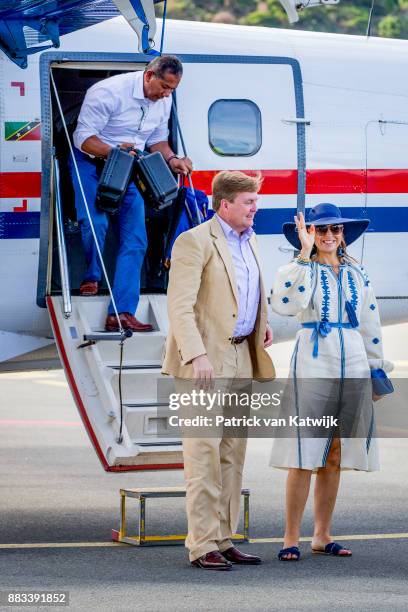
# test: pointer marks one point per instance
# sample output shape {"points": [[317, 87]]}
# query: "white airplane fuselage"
{"points": [[327, 122]]}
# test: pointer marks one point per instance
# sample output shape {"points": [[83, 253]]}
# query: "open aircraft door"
{"points": [[246, 113], [387, 236]]}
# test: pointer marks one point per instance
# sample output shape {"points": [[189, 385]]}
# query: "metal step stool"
{"points": [[141, 539]]}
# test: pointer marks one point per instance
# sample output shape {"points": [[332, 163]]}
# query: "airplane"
{"points": [[324, 117]]}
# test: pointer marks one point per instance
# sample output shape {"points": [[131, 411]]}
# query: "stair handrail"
{"points": [[62, 250]]}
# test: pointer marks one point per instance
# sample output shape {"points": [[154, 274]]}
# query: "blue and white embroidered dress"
{"points": [[327, 346]]}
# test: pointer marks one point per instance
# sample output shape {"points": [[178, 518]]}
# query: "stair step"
{"points": [[143, 405], [104, 337], [149, 420], [142, 384], [133, 366], [145, 445], [101, 334], [140, 348], [94, 310]]}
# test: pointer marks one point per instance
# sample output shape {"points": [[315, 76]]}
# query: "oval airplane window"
{"points": [[234, 127]]}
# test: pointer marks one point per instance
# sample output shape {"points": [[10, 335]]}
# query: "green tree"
{"points": [[390, 27], [390, 17]]}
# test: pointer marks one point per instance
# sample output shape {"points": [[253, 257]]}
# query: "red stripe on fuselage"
{"points": [[279, 182], [274, 181], [20, 184], [387, 181], [282, 182]]}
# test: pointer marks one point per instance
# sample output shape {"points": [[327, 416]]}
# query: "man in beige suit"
{"points": [[218, 328]]}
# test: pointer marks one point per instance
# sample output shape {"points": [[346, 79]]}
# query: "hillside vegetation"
{"points": [[390, 17]]}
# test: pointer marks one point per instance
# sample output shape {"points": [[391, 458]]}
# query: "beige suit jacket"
{"points": [[202, 300]]}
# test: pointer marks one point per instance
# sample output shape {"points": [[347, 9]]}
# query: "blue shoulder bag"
{"points": [[381, 383]]}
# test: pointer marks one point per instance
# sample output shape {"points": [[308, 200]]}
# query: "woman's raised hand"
{"points": [[306, 235]]}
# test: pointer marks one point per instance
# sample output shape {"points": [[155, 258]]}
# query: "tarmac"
{"points": [[59, 507]]}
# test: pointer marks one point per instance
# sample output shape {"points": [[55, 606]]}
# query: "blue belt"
{"points": [[323, 329]]}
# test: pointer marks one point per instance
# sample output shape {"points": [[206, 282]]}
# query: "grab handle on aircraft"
{"points": [[183, 145], [62, 251], [287, 249], [296, 121]]}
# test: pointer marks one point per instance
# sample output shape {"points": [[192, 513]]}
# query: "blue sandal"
{"points": [[292, 550], [332, 548]]}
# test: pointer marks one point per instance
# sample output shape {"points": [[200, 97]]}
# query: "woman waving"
{"points": [[339, 340]]}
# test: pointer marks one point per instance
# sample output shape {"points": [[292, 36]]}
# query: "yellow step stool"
{"points": [[144, 493]]}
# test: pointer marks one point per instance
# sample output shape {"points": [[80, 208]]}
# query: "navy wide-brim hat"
{"points": [[327, 214]]}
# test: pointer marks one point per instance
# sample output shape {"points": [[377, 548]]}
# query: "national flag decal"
{"points": [[22, 130]]}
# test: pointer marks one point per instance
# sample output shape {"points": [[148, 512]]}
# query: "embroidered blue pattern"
{"points": [[365, 276], [372, 306], [353, 290], [285, 300], [301, 288], [288, 284], [376, 340], [326, 296], [360, 270], [313, 282]]}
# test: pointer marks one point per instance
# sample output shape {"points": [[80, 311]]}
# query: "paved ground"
{"points": [[53, 490]]}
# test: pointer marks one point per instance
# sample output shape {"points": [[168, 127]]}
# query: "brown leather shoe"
{"points": [[212, 561], [236, 556], [88, 288], [128, 322]]}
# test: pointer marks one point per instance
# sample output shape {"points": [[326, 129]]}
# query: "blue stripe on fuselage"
{"points": [[382, 218], [267, 221], [19, 225]]}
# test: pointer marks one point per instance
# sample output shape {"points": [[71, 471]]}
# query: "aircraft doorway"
{"points": [[72, 81], [115, 387]]}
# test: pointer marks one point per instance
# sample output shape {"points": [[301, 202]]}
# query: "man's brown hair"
{"points": [[227, 185]]}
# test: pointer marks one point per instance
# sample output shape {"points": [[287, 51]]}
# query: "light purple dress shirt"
{"points": [[246, 276]]}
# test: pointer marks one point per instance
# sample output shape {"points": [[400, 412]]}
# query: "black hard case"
{"points": [[155, 180], [114, 180], [149, 171]]}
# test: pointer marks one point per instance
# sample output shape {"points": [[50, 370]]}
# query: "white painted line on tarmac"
{"points": [[38, 423], [61, 545], [368, 536]]}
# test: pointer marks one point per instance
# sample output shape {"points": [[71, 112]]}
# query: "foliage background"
{"points": [[390, 17]]}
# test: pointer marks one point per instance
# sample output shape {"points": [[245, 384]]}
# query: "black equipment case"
{"points": [[114, 180], [155, 180], [150, 173]]}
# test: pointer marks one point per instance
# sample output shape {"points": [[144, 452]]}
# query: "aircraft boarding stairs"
{"points": [[91, 359]]}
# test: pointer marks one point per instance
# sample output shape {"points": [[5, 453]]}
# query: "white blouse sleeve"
{"points": [[292, 289], [370, 329]]}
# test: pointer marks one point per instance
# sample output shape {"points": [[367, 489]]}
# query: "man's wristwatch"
{"points": [[174, 156]]}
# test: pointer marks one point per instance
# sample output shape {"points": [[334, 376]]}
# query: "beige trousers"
{"points": [[213, 473]]}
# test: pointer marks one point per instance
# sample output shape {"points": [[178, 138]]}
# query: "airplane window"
{"points": [[234, 127]]}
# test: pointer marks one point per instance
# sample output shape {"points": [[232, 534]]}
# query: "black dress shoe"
{"points": [[236, 556], [212, 561]]}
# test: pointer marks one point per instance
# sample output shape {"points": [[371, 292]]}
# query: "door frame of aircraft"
{"points": [[51, 57]]}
